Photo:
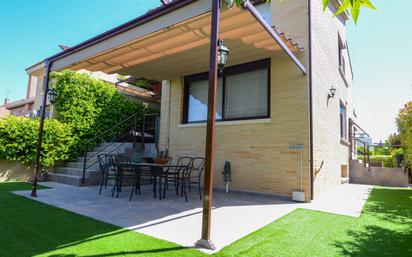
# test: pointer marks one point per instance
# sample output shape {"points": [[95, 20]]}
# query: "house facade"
{"points": [[264, 108], [282, 130]]}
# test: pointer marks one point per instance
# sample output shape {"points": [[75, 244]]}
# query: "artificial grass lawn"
{"points": [[30, 228], [384, 229]]}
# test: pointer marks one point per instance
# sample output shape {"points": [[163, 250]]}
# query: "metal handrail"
{"points": [[143, 121], [366, 145]]}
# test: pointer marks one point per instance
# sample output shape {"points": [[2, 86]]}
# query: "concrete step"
{"points": [[344, 181], [79, 165], [91, 160], [72, 180], [122, 144], [105, 146], [76, 172], [71, 172], [65, 179]]}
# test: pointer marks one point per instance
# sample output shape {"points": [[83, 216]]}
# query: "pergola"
{"points": [[174, 40]]}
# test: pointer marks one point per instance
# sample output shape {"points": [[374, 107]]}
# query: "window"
{"points": [[342, 60], [242, 93], [197, 110], [342, 114]]}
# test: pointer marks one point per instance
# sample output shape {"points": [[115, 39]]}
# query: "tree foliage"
{"points": [[352, 6], [90, 106], [404, 122], [85, 107]]}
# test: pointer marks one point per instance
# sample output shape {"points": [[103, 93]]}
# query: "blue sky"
{"points": [[380, 46], [381, 52]]}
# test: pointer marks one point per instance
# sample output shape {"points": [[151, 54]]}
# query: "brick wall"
{"points": [[257, 149], [328, 147]]}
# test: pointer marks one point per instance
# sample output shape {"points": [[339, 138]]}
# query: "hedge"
{"points": [[387, 160], [90, 106], [18, 140], [404, 122], [85, 107]]}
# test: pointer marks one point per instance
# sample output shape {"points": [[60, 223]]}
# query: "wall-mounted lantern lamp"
{"points": [[227, 4], [332, 92], [52, 96], [222, 55]]}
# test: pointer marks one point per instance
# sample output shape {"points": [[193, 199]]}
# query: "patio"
{"points": [[235, 214]]}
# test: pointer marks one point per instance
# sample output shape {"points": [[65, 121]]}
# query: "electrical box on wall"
{"points": [[298, 196]]}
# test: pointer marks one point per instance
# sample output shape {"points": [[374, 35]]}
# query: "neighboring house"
{"points": [[265, 105], [22, 107], [3, 111], [37, 71]]}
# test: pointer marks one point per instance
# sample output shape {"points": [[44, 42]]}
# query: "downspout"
{"points": [[311, 161], [41, 125]]}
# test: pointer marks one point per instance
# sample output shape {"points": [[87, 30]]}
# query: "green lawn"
{"points": [[30, 228]]}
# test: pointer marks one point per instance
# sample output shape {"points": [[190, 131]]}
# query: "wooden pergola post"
{"points": [[210, 129], [40, 135]]}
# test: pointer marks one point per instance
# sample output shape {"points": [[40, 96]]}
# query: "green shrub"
{"points": [[388, 161], [404, 122], [90, 106], [18, 140], [85, 107], [398, 153]]}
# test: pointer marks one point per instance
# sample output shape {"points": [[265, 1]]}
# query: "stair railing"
{"points": [[137, 120], [354, 139]]}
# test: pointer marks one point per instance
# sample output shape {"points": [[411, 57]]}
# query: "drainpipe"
{"points": [[41, 125], [311, 169]]}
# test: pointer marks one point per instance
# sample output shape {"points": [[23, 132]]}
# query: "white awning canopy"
{"points": [[177, 44]]}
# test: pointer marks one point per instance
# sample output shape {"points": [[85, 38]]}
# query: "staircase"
{"points": [[85, 170], [71, 173]]}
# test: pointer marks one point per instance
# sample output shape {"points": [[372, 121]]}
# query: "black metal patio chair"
{"points": [[174, 174], [126, 175], [107, 169], [193, 176]]}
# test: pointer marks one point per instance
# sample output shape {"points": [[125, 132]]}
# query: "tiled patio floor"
{"points": [[234, 215]]}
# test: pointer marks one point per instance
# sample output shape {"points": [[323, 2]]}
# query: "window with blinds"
{"points": [[242, 93]]}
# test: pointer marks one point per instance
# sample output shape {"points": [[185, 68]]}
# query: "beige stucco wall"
{"points": [[326, 121]]}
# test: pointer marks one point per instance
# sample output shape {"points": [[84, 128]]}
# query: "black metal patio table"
{"points": [[157, 171]]}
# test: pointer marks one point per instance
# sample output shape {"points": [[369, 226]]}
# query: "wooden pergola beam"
{"points": [[205, 241]]}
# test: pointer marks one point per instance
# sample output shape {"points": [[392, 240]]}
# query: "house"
{"points": [[22, 107], [283, 99]]}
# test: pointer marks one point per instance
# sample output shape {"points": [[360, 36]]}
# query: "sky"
{"points": [[380, 46]]}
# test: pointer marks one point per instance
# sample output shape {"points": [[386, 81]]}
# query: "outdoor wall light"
{"points": [[222, 55], [227, 4], [332, 92], [52, 96]]}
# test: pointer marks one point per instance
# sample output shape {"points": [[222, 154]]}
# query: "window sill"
{"points": [[344, 142], [226, 123], [342, 74]]}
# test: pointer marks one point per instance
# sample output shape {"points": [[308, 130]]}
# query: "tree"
{"points": [[404, 122], [354, 6]]}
